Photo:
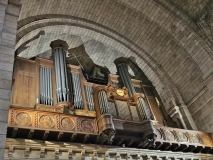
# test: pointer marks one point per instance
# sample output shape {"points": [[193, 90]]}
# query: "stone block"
{"points": [[10, 24], [2, 140], [11, 18], [3, 129], [6, 74], [6, 66], [6, 58], [4, 116], [7, 50], [4, 1], [9, 30], [8, 43], [2, 7], [13, 9], [5, 84], [2, 152], [9, 37], [4, 94], [4, 104]]}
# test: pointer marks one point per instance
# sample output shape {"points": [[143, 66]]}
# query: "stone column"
{"points": [[9, 12]]}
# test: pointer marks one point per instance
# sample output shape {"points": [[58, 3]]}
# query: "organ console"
{"points": [[52, 100]]}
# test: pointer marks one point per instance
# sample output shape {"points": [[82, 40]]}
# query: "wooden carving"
{"points": [[169, 135], [67, 123], [182, 137], [23, 119], [113, 92], [194, 138], [60, 107], [87, 125], [46, 121]]}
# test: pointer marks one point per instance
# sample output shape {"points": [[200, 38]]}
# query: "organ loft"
{"points": [[106, 79]]}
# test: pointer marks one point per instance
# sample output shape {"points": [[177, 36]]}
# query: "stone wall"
{"points": [[9, 12]]}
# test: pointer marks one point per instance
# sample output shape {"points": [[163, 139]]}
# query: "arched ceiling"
{"points": [[167, 45]]}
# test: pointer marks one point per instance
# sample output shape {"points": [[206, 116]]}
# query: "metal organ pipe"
{"points": [[90, 102], [77, 95], [41, 86], [103, 103], [50, 87], [61, 75], [46, 86]]}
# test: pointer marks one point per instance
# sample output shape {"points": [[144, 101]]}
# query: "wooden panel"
{"points": [[156, 110], [24, 84], [34, 119], [153, 104]]}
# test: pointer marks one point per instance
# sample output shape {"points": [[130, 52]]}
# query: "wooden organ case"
{"points": [[51, 100]]}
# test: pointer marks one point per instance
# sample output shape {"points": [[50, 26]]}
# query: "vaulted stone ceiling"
{"points": [[193, 8], [172, 49]]}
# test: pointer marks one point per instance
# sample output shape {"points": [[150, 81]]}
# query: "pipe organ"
{"points": [[51, 100]]}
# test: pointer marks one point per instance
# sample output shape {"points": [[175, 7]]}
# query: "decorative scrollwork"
{"points": [[78, 124], [12, 117], [158, 133], [36, 119], [169, 135], [195, 138], [112, 91], [58, 123], [182, 137]]}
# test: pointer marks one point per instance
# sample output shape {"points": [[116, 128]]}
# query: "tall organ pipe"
{"points": [[77, 94], [46, 86], [61, 77], [51, 92], [143, 107], [103, 103]]}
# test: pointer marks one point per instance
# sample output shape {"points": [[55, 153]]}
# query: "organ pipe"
{"points": [[90, 102], [46, 86], [103, 102], [61, 75], [76, 91]]}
